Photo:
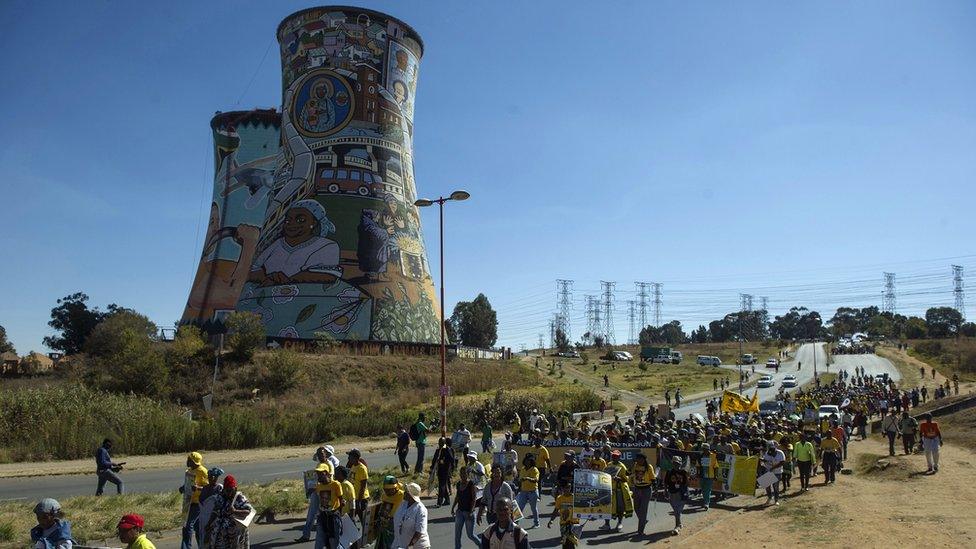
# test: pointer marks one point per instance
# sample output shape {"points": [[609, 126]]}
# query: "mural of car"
{"points": [[349, 181]]}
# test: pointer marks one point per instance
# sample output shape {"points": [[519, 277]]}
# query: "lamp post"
{"points": [[423, 203]]}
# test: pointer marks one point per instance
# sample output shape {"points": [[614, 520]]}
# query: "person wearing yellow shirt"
{"points": [[597, 463], [391, 496], [194, 480], [830, 449], [805, 457], [330, 507], [529, 488], [622, 502], [642, 479], [130, 533], [542, 456], [564, 510], [707, 465], [360, 477], [348, 491]]}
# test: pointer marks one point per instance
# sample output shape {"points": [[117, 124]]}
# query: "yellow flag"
{"points": [[736, 403]]}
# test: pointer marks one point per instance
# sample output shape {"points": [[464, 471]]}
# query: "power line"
{"points": [[641, 303]]}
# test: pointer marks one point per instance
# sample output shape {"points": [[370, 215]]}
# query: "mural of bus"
{"points": [[350, 181]]}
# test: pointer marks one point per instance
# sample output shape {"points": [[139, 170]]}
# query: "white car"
{"points": [[765, 381], [772, 363], [704, 360], [789, 381], [826, 410]]}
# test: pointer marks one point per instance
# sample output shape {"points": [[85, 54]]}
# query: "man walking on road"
{"points": [[418, 433], [908, 427], [931, 442], [889, 426], [107, 470], [667, 397], [805, 457], [403, 448]]}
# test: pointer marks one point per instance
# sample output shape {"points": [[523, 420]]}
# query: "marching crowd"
{"points": [[799, 439]]}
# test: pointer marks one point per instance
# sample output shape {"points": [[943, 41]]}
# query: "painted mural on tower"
{"points": [[245, 151], [341, 250]]}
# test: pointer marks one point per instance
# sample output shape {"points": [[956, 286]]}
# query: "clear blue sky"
{"points": [[788, 151]]}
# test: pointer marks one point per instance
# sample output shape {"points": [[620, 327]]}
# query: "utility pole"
{"points": [[888, 298], [657, 304], [564, 303], [631, 318], [607, 287]]}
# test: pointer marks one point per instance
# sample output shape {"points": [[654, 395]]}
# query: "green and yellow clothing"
{"points": [[643, 475], [622, 500], [829, 445], [803, 451], [542, 456], [330, 495], [564, 504], [359, 475], [598, 464], [348, 496], [529, 479], [200, 480], [141, 542]]}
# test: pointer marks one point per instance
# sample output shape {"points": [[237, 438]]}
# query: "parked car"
{"points": [[770, 407], [826, 410], [772, 363], [622, 356], [789, 381], [569, 354], [765, 381], [661, 359], [676, 357], [747, 359], [704, 360]]}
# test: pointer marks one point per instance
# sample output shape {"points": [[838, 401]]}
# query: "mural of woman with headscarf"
{"points": [[302, 254]]}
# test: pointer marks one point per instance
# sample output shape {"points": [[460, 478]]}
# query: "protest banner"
{"points": [[309, 479], [592, 492], [742, 475], [809, 416], [735, 403], [689, 463], [663, 411], [767, 480], [188, 483], [628, 452]]}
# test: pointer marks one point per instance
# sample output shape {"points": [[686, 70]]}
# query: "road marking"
{"points": [[12, 499], [282, 473]]}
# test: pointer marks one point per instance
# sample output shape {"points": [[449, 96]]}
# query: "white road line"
{"points": [[12, 499], [282, 473]]}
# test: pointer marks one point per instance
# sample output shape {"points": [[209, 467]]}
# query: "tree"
{"points": [[798, 323], [942, 321], [75, 322], [915, 328], [450, 334], [123, 355], [476, 322], [700, 335], [245, 334], [968, 329], [5, 345], [670, 333], [562, 342]]}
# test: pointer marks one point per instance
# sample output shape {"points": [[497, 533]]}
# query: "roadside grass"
{"points": [[814, 520], [960, 428], [884, 468], [907, 368], [337, 396], [948, 356]]}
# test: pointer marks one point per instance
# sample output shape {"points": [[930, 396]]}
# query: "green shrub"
{"points": [[279, 371], [245, 335]]}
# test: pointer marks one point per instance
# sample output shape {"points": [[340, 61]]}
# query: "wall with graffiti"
{"points": [[245, 153], [341, 250]]}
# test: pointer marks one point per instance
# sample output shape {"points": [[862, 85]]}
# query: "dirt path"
{"points": [[166, 461], [899, 505]]}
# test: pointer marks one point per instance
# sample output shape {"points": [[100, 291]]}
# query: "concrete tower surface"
{"points": [[245, 150], [341, 250]]}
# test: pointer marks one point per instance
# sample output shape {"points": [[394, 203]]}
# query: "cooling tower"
{"points": [[341, 250], [245, 152]]}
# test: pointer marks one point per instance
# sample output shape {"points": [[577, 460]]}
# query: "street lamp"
{"points": [[423, 203]]}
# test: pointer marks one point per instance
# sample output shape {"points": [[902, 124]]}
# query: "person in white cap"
{"points": [[331, 457], [52, 531], [410, 521]]}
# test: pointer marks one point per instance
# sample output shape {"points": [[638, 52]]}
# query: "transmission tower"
{"points": [[641, 304], [957, 290], [763, 303], [607, 287], [552, 330], [746, 302], [888, 297], [564, 303], [542, 343], [631, 318], [593, 325], [657, 303]]}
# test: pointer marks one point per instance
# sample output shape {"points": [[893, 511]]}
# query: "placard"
{"points": [[592, 494]]}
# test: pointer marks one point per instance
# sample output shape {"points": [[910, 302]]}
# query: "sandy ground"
{"points": [[163, 461], [900, 505]]}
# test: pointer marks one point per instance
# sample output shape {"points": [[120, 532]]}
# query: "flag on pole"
{"points": [[735, 403]]}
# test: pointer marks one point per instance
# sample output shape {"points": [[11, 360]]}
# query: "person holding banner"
{"points": [[381, 525], [226, 531], [330, 504], [643, 478], [623, 502], [773, 461], [676, 483]]}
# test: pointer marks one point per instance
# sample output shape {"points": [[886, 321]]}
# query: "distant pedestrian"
{"points": [[606, 380], [402, 449], [52, 531], [931, 442], [889, 426], [677, 398], [603, 408], [130, 533], [106, 469], [487, 437], [667, 397], [418, 434]]}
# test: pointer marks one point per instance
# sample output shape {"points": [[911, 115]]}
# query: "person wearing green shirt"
{"points": [[486, 436], [420, 429], [805, 456]]}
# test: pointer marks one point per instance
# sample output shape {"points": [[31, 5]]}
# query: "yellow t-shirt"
{"points": [[530, 479], [598, 464], [199, 480], [141, 542], [543, 455], [564, 503], [348, 496], [829, 445], [735, 448], [395, 500], [358, 475], [643, 476], [330, 495]]}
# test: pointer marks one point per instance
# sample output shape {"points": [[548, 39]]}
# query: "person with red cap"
{"points": [[130, 533], [227, 529]]}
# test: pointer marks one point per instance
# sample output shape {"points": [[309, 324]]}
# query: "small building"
{"points": [[9, 362]]}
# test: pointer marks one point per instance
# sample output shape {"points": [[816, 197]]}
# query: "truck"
{"points": [[649, 353]]}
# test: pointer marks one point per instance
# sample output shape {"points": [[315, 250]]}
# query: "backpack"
{"points": [[414, 432]]}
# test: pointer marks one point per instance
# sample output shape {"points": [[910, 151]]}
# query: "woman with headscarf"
{"points": [[410, 521], [208, 498], [225, 529], [52, 531], [302, 254]]}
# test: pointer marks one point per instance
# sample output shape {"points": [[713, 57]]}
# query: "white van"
{"points": [[704, 360]]}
